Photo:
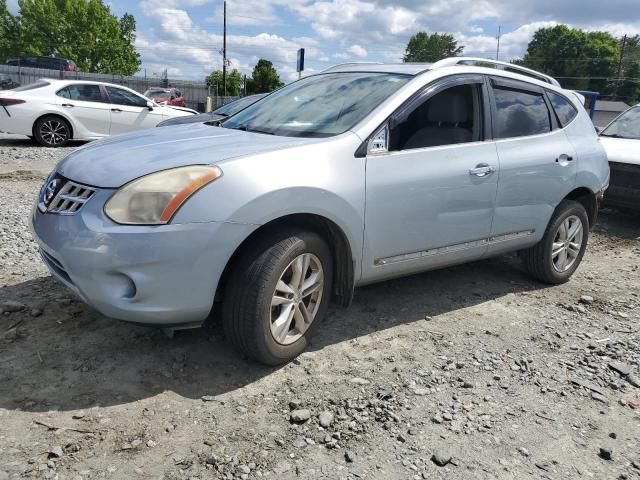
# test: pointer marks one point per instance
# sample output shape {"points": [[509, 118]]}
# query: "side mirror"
{"points": [[379, 142], [150, 105]]}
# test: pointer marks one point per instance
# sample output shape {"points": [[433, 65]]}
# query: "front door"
{"points": [[129, 111], [430, 192]]}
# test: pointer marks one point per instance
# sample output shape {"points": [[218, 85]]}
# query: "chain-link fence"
{"points": [[195, 93]]}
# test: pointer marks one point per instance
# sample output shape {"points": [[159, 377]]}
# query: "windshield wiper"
{"points": [[245, 128], [612, 135]]}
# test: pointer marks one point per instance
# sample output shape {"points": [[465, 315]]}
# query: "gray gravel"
{"points": [[473, 372]]}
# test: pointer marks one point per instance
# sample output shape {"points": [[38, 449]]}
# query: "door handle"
{"points": [[116, 110], [482, 170], [68, 105], [562, 158]]}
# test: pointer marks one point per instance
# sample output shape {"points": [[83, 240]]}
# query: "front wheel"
{"points": [[277, 294], [557, 256]]}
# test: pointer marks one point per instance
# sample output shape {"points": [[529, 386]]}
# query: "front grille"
{"points": [[63, 196]]}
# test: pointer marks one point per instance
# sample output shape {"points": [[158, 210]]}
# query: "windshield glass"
{"points": [[153, 94], [237, 105], [31, 86], [626, 125], [318, 106]]}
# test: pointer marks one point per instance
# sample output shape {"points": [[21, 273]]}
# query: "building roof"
{"points": [[610, 106]]}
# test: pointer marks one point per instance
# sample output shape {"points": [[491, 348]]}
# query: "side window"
{"points": [[120, 96], [565, 111], [449, 117], [520, 113], [84, 93], [64, 93]]}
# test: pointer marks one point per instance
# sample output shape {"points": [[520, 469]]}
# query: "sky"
{"points": [[185, 36]]}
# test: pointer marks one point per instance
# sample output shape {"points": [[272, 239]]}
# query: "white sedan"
{"points": [[55, 111]]}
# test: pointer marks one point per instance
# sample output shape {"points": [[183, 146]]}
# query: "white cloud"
{"points": [[358, 51]]}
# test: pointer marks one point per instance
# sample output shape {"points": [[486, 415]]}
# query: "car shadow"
{"points": [[70, 357]]}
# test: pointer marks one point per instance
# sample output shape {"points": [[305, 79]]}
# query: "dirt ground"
{"points": [[472, 372]]}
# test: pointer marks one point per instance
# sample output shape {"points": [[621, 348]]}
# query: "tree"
{"points": [[264, 79], [629, 90], [234, 82], [423, 47], [84, 31], [9, 37], [586, 60]]}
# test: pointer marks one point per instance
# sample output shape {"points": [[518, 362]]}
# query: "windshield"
{"points": [[318, 106], [153, 94], [626, 125], [237, 105], [31, 86]]}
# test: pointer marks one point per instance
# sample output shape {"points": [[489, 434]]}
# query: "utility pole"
{"points": [[622, 47], [224, 51], [498, 47]]}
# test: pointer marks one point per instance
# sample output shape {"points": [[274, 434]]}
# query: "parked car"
{"points": [[166, 96], [56, 111], [6, 82], [219, 113], [621, 140], [52, 63], [355, 175]]}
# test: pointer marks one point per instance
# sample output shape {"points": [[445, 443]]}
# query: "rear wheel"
{"points": [[277, 294], [52, 131], [557, 256]]}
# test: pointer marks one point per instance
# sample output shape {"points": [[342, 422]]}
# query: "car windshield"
{"points": [[626, 125], [318, 106], [237, 105], [156, 94], [31, 86]]}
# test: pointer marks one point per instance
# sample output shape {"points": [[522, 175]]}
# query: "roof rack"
{"points": [[487, 62], [349, 64]]}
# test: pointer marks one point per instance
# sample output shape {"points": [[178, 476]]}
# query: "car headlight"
{"points": [[154, 199]]}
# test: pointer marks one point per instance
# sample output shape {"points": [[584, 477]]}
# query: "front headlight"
{"points": [[155, 198]]}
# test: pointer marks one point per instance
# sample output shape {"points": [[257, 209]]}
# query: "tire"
{"points": [[52, 131], [540, 260], [252, 303]]}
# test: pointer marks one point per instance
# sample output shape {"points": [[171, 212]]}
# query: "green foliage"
{"points": [[84, 31], [629, 90], [587, 58], [235, 82], [424, 47], [9, 37], [264, 79]]}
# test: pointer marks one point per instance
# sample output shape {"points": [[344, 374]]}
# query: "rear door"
{"points": [[129, 111], [537, 163], [88, 107]]}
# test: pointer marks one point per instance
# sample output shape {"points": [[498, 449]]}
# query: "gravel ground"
{"points": [[469, 372]]}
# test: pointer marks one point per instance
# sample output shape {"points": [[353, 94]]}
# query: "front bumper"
{"points": [[161, 275]]}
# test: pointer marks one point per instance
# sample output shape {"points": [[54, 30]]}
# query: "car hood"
{"points": [[114, 161], [622, 150]]}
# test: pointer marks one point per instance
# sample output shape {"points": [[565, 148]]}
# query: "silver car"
{"points": [[355, 175]]}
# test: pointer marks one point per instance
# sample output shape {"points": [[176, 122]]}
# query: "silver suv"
{"points": [[359, 174]]}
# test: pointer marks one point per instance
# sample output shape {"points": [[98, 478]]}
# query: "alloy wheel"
{"points": [[54, 132], [567, 244], [296, 298]]}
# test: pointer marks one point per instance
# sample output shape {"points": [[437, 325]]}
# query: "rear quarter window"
{"points": [[564, 109]]}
